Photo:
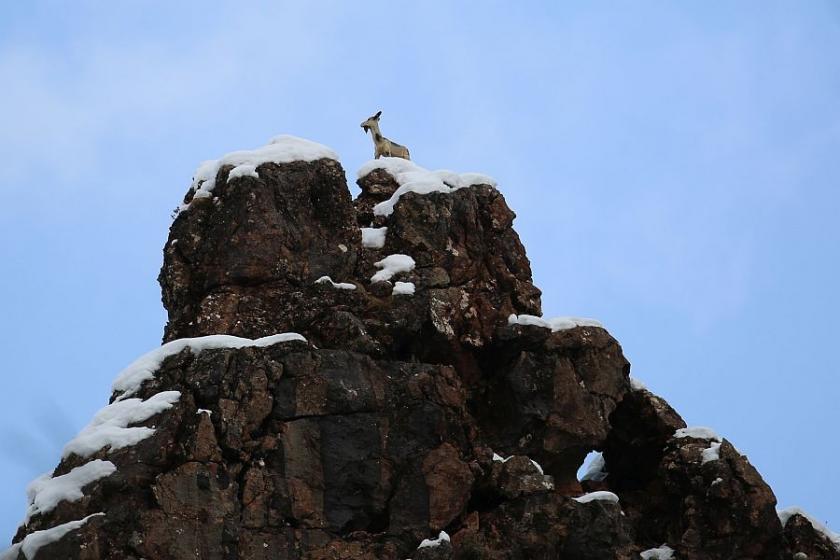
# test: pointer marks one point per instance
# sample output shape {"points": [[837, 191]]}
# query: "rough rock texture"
{"points": [[380, 430]]}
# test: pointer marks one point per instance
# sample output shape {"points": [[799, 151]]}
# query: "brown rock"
{"points": [[378, 432]]}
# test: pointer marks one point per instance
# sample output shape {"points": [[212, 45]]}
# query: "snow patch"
{"points": [[144, 368], [442, 537], [711, 454], [636, 384], [593, 467], [403, 289], [337, 285], [600, 495], [697, 432], [46, 492], [787, 513], [664, 552], [499, 459], [244, 170], [109, 426], [34, 541], [554, 323], [280, 149], [374, 238], [391, 265], [539, 468], [412, 178], [204, 411]]}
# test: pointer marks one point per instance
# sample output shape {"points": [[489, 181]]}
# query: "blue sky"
{"points": [[674, 168]]}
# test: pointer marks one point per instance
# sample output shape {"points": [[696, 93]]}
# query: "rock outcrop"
{"points": [[424, 412]]}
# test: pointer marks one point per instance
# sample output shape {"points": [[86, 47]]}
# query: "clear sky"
{"points": [[674, 167]]}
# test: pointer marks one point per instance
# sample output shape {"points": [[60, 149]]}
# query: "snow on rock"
{"points": [[204, 411], [697, 432], [144, 368], [110, 426], [499, 459], [391, 265], [374, 238], [412, 178], [442, 537], [280, 149], [337, 285], [46, 492], [601, 495], [33, 542], [593, 467], [712, 453], [403, 289], [555, 323], [636, 384], [664, 552], [787, 513], [244, 170]]}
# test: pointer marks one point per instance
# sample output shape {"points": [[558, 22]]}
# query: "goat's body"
{"points": [[381, 145], [387, 148]]}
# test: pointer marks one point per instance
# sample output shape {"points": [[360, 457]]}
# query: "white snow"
{"points": [[244, 170], [38, 539], [443, 536], [787, 513], [280, 149], [374, 238], [554, 323], [204, 411], [337, 285], [636, 384], [499, 459], [697, 432], [593, 467], [391, 265], [712, 453], [44, 493], [403, 288], [601, 495], [413, 178], [109, 426], [144, 368], [664, 552]]}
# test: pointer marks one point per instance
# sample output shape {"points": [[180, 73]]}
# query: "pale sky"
{"points": [[674, 169]]}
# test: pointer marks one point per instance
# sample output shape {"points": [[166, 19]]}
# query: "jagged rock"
{"points": [[244, 261], [380, 430], [804, 542], [518, 476]]}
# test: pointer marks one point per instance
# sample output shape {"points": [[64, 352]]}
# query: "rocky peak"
{"points": [[370, 379]]}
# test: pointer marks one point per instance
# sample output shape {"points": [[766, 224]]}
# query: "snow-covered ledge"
{"points": [[412, 178], [280, 149], [144, 368], [553, 323]]}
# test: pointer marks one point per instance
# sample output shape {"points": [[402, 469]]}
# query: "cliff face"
{"points": [[409, 403]]}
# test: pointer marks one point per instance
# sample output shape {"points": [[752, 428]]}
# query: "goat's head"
{"points": [[372, 121]]}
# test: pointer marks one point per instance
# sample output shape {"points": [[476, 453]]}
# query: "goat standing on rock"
{"points": [[382, 146]]}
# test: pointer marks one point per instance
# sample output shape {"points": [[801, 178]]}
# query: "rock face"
{"points": [[402, 415]]}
